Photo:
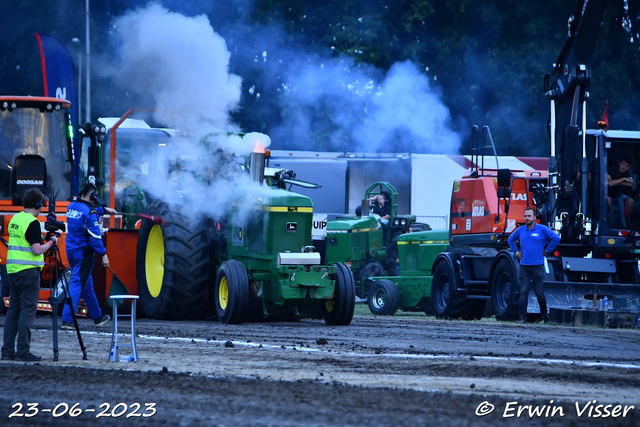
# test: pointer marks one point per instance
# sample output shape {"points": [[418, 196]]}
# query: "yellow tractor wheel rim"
{"points": [[154, 261], [223, 293], [329, 305]]}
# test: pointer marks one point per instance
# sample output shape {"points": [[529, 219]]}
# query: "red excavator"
{"points": [[598, 257]]}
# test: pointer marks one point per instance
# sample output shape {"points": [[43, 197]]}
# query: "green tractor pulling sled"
{"points": [[256, 261], [252, 260]]}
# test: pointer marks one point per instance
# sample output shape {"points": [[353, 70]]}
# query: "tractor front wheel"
{"points": [[339, 310], [232, 292], [383, 298]]}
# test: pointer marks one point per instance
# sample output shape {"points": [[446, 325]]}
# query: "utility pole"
{"points": [[76, 41], [88, 116]]}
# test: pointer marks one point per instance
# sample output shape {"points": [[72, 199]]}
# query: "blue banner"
{"points": [[59, 82]]}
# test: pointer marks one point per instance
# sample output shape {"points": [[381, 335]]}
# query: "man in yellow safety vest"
{"points": [[25, 260]]}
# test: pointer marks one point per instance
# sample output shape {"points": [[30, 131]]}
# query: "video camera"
{"points": [[53, 226]]}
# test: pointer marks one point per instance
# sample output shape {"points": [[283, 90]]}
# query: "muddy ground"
{"points": [[395, 371]]}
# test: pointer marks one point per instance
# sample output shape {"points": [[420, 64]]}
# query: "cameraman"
{"points": [[379, 206], [83, 242], [25, 260]]}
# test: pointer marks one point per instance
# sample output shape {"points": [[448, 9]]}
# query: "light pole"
{"points": [[76, 41], [88, 107]]}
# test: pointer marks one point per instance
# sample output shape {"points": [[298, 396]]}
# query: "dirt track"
{"points": [[378, 371]]}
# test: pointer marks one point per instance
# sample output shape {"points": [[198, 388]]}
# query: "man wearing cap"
{"points": [[84, 241], [25, 260]]}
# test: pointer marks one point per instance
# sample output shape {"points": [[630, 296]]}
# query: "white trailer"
{"points": [[424, 181]]}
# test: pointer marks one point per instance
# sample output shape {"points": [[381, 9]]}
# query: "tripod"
{"points": [[56, 299]]}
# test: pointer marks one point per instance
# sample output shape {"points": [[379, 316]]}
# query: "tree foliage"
{"points": [[485, 60]]}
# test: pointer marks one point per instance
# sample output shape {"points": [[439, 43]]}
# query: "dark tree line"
{"points": [[485, 60]]}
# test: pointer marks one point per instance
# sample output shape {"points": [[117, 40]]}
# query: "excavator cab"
{"points": [[620, 168], [35, 147]]}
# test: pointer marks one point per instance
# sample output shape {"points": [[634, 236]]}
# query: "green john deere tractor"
{"points": [[252, 259], [255, 261], [360, 242], [411, 290]]}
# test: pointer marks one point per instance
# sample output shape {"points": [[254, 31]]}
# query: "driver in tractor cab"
{"points": [[379, 206]]}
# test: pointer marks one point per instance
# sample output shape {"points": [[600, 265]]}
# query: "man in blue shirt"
{"points": [[84, 241], [533, 238]]}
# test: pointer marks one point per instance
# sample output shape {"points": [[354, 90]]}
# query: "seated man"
{"points": [[379, 206], [620, 184]]}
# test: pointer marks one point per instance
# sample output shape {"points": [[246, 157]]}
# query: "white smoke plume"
{"points": [[181, 65], [406, 106], [368, 112]]}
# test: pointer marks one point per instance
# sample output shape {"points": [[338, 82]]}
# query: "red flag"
{"points": [[604, 122]]}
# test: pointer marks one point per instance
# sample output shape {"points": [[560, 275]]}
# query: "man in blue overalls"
{"points": [[84, 241]]}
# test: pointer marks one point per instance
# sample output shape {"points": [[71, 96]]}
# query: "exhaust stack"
{"points": [[257, 166], [258, 155]]}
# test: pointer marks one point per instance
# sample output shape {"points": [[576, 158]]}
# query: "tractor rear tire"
{"points": [[232, 292], [339, 310], [504, 291], [172, 264], [383, 298]]}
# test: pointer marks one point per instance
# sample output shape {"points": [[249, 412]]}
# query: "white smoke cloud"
{"points": [[406, 105], [367, 110], [182, 65], [179, 61]]}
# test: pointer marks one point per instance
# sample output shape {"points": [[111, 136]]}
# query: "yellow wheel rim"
{"points": [[329, 304], [154, 261], [223, 293]]}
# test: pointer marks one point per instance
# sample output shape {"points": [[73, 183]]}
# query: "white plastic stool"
{"points": [[114, 350]]}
